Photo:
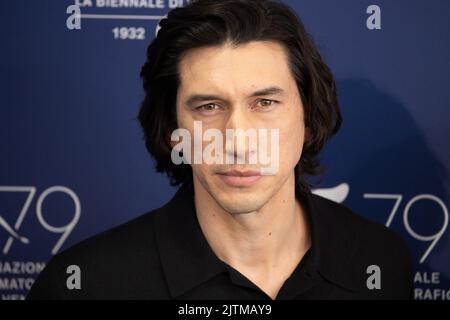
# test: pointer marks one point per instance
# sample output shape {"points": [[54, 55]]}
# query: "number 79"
{"points": [[434, 238]]}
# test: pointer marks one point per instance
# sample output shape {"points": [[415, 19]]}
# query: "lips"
{"points": [[236, 178]]}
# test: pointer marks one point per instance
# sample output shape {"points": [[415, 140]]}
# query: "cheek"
{"points": [[198, 169], [291, 140]]}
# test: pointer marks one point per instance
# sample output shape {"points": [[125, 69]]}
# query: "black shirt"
{"points": [[163, 254]]}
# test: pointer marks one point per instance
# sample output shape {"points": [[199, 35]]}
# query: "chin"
{"points": [[240, 203], [240, 209]]}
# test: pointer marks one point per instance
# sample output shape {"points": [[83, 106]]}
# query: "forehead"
{"points": [[235, 69]]}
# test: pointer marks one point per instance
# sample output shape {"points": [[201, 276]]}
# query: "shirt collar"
{"points": [[334, 244], [186, 256], [188, 260]]}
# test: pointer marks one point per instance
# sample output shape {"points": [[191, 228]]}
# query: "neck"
{"points": [[262, 242]]}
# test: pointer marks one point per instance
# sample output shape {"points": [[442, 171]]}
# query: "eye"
{"points": [[266, 104], [208, 108]]}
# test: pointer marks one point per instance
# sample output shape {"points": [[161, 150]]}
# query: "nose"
{"points": [[241, 136], [238, 118]]}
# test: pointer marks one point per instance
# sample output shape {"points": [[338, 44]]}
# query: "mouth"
{"points": [[236, 178]]}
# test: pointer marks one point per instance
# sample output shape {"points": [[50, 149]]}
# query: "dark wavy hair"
{"points": [[211, 23]]}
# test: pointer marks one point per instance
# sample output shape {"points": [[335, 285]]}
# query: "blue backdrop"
{"points": [[73, 162]]}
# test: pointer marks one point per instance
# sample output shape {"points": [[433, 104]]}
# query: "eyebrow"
{"points": [[196, 98]]}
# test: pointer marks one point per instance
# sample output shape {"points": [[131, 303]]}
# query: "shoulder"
{"points": [[119, 262], [369, 247], [365, 233], [128, 238], [115, 247]]}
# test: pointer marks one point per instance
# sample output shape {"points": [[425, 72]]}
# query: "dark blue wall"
{"points": [[69, 100]]}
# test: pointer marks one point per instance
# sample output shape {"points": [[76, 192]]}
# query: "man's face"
{"points": [[232, 75]]}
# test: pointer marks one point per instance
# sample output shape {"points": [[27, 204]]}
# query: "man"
{"points": [[235, 230]]}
